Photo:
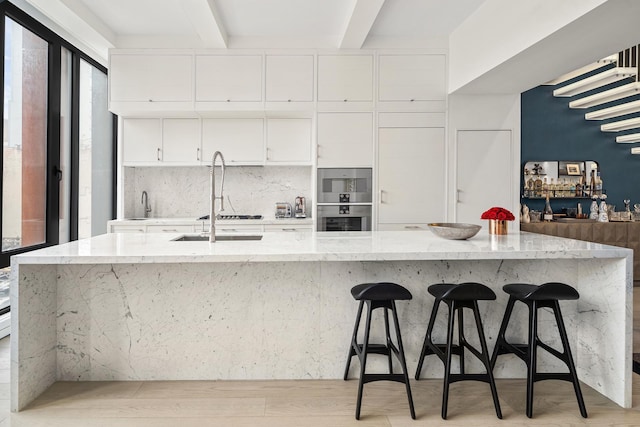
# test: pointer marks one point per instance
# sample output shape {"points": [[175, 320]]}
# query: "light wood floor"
{"points": [[302, 403]]}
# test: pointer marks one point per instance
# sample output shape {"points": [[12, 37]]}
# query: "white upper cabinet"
{"points": [[241, 141], [345, 79], [289, 78], [289, 141], [159, 82], [142, 141], [229, 79], [345, 140], [417, 82], [181, 141]]}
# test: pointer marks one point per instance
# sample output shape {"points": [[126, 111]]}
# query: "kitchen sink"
{"points": [[203, 238]]}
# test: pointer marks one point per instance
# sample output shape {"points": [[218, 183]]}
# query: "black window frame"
{"points": [[56, 43]]}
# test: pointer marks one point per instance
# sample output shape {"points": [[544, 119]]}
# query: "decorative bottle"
{"points": [[603, 216], [593, 210], [548, 212], [578, 190]]}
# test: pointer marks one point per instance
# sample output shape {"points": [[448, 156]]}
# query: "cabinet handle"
{"points": [[411, 100], [169, 230], [150, 100], [381, 193], [344, 100], [412, 227], [318, 151], [268, 157], [198, 154], [288, 100], [158, 154], [289, 229], [458, 195], [228, 100]]}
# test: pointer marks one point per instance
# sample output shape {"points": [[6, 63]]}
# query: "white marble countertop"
{"points": [[317, 246], [190, 221]]}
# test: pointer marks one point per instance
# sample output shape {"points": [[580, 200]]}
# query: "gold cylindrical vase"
{"points": [[497, 226]]}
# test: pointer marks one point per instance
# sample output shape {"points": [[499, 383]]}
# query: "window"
{"points": [[57, 163]]}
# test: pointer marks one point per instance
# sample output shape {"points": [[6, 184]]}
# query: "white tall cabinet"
{"points": [[411, 176]]}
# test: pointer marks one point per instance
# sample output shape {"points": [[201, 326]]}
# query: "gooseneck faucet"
{"points": [[212, 213], [145, 202]]}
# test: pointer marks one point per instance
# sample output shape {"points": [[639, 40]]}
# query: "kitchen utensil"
{"points": [[283, 210], [300, 207]]}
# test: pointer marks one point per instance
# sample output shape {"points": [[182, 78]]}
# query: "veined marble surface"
{"points": [[317, 246], [141, 307], [193, 221]]}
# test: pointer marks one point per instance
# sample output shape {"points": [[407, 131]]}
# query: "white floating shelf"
{"points": [[606, 96], [635, 150], [616, 111], [628, 139], [584, 70], [596, 81], [621, 125]]}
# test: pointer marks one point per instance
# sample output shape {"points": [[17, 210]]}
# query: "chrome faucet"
{"points": [[212, 213], [145, 202]]}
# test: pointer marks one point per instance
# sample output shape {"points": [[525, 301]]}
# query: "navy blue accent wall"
{"points": [[553, 131]]}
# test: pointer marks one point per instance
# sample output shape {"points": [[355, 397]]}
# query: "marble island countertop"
{"points": [[317, 246]]}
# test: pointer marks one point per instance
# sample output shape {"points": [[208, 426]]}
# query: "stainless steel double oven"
{"points": [[344, 199]]}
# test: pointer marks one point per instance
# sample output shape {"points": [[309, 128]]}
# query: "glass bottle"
{"points": [[538, 186], [603, 216], [572, 189], [548, 212], [593, 210], [578, 189]]}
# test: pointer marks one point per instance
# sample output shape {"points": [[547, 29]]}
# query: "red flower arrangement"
{"points": [[501, 214]]}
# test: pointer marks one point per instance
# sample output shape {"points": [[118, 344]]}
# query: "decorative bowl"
{"points": [[454, 230]]}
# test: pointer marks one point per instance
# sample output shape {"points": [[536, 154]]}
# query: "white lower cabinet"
{"points": [[288, 227], [411, 176]]}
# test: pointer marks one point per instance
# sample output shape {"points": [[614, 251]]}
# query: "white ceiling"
{"points": [[258, 23]]}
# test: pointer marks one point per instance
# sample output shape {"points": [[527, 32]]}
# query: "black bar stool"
{"points": [[379, 295], [535, 297], [458, 297]]}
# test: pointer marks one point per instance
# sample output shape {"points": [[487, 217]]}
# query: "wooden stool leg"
{"points": [[363, 360], [569, 358], [485, 359], [427, 337], [353, 345], [447, 367], [403, 362], [532, 354]]}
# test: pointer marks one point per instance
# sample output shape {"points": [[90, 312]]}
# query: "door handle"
{"points": [[458, 195], [381, 200]]}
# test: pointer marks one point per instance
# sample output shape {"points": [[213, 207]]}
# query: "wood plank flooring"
{"points": [[307, 403], [320, 403]]}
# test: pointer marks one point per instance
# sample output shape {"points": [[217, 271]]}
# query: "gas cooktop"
{"points": [[233, 217]]}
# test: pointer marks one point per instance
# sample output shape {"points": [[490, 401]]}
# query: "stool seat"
{"points": [[375, 296], [536, 297], [380, 291], [546, 291], [469, 291], [457, 297]]}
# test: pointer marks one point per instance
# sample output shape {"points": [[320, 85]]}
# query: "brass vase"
{"points": [[497, 226]]}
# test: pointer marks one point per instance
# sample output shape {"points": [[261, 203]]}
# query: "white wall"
{"points": [[483, 112]]}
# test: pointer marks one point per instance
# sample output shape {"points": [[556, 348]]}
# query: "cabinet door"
{"points": [[411, 175], [229, 78], [241, 141], [411, 78], [345, 78], [289, 78], [181, 141], [142, 141], [151, 78], [289, 141], [345, 139]]}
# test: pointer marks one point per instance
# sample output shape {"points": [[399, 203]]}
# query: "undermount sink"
{"points": [[204, 238]]}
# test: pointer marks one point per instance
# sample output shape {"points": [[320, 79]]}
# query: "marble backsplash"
{"points": [[183, 192]]}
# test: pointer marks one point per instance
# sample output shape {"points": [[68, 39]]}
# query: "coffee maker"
{"points": [[300, 210]]}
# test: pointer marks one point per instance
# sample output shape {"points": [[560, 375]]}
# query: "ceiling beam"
{"points": [[360, 22], [206, 19]]}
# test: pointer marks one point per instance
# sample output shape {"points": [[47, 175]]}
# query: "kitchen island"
{"points": [[145, 307]]}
